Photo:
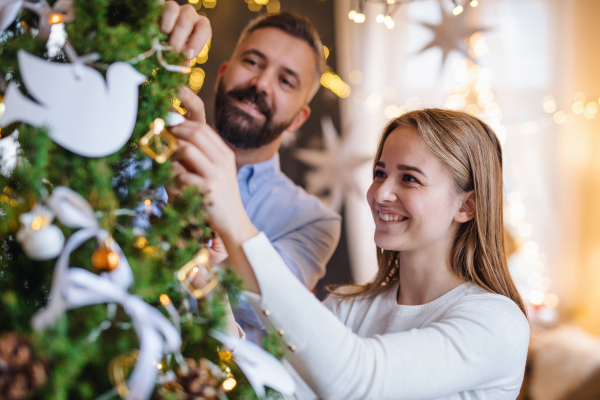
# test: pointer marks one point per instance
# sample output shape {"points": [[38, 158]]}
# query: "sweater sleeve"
{"points": [[479, 344]]}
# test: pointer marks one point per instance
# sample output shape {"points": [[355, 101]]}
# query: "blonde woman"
{"points": [[442, 319]]}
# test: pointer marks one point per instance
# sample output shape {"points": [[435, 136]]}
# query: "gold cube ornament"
{"points": [[158, 143], [200, 260]]}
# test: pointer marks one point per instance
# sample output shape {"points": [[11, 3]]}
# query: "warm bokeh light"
{"points": [[359, 18], [537, 297], [525, 230], [549, 104], [229, 384], [457, 10], [352, 15], [141, 242], [38, 223], [56, 19], [551, 301], [334, 83], [164, 299], [560, 117], [273, 7], [326, 51], [196, 79], [356, 77]]}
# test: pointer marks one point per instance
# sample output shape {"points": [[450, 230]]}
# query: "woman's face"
{"points": [[412, 197]]}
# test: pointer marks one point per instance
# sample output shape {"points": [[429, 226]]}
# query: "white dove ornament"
{"points": [[9, 9], [83, 113]]}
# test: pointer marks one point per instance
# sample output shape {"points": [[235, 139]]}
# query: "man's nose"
{"points": [[264, 81]]}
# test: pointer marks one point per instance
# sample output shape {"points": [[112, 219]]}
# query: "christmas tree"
{"points": [[114, 315]]}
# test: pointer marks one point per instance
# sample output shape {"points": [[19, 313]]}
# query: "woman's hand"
{"points": [[188, 30], [217, 251]]}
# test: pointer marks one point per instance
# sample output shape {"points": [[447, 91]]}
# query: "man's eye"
{"points": [[250, 62], [287, 82]]}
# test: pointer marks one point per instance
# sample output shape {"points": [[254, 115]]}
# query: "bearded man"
{"points": [[261, 92]]}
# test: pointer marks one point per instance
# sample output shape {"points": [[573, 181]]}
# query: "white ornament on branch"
{"points": [[333, 175], [40, 239], [83, 113]]}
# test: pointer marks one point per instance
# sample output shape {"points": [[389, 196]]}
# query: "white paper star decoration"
{"points": [[333, 175], [451, 34]]}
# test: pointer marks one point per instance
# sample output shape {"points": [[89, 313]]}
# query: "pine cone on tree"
{"points": [[20, 374], [201, 381]]}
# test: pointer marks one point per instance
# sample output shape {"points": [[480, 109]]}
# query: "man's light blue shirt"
{"points": [[302, 230]]}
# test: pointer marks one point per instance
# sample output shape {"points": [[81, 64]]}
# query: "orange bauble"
{"points": [[105, 259]]}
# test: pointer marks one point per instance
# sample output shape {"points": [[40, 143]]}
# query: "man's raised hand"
{"points": [[188, 31]]}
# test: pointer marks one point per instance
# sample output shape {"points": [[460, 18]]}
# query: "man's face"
{"points": [[263, 89]]}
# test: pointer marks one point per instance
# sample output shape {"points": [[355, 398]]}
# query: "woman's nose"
{"points": [[385, 192]]}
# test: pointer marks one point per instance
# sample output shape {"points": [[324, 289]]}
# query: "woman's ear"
{"points": [[466, 212]]}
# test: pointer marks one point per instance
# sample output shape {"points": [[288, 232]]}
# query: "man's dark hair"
{"points": [[297, 26]]}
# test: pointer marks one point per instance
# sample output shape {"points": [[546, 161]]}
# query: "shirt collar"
{"points": [[252, 176]]}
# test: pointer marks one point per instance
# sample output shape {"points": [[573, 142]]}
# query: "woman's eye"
{"points": [[378, 174], [409, 178]]}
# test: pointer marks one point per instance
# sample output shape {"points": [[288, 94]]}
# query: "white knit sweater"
{"points": [[467, 344]]}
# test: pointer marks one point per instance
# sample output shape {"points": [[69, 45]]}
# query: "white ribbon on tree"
{"points": [[157, 335], [76, 287]]}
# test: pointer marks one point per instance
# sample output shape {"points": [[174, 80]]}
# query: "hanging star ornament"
{"points": [[452, 34], [332, 176]]}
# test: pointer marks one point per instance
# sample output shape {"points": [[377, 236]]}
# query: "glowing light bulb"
{"points": [[55, 19], [229, 384], [457, 10], [474, 3], [352, 15], [380, 18], [360, 18], [164, 299]]}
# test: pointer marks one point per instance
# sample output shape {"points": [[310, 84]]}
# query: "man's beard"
{"points": [[239, 128]]}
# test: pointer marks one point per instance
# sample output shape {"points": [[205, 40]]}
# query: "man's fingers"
{"points": [[183, 29], [200, 36], [205, 138], [169, 17], [193, 103], [193, 159], [189, 179]]}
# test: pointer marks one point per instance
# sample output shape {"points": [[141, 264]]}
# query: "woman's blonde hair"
{"points": [[472, 153]]}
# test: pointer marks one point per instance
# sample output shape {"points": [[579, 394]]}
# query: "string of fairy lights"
{"points": [[390, 7]]}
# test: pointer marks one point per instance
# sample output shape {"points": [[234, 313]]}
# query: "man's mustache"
{"points": [[252, 95]]}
